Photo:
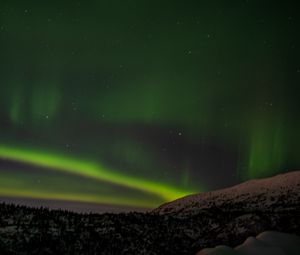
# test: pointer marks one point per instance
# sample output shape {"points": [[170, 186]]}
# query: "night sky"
{"points": [[133, 103]]}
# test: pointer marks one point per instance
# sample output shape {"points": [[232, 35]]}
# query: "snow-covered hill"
{"points": [[281, 192]]}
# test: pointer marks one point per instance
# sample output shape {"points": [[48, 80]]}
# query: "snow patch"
{"points": [[266, 243]]}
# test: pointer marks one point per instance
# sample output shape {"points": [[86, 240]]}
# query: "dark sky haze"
{"points": [[129, 104]]}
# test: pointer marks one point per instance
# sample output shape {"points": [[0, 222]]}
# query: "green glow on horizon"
{"points": [[90, 170], [111, 200]]}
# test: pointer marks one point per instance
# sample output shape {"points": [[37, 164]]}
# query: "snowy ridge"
{"points": [[280, 192]]}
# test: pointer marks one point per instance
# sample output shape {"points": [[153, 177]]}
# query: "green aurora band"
{"points": [[76, 197], [90, 170]]}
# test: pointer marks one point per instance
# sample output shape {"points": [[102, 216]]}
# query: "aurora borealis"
{"points": [[135, 103]]}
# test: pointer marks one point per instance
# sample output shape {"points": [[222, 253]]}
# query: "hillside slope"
{"points": [[279, 193]]}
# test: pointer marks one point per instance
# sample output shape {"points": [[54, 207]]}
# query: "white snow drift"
{"points": [[266, 243]]}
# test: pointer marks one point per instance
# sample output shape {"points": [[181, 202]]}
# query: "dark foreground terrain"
{"points": [[40, 231], [183, 227]]}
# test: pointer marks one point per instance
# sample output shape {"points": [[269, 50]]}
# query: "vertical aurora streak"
{"points": [[267, 152], [45, 102]]}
